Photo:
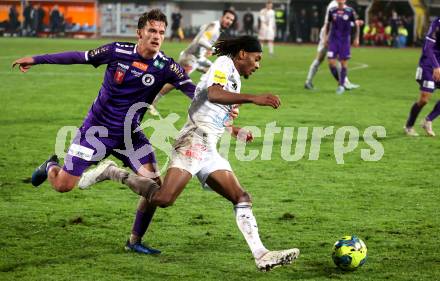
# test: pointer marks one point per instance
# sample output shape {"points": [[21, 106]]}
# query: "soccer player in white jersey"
{"points": [[267, 30], [195, 56], [195, 152], [322, 52]]}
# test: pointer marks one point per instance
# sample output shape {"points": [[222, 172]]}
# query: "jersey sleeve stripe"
{"points": [[185, 82], [123, 51], [430, 39]]}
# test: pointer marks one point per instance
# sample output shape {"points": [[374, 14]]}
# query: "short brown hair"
{"points": [[155, 15]]}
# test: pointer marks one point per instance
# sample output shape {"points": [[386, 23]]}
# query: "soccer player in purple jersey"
{"points": [[135, 74], [428, 77], [195, 150], [338, 39]]}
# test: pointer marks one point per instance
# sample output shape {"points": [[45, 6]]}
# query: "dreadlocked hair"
{"points": [[231, 47]]}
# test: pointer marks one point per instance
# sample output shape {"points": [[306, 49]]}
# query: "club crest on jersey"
{"points": [[159, 64], [148, 79], [345, 17], [120, 73], [140, 65]]}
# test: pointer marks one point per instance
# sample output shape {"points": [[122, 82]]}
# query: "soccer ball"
{"points": [[349, 253]]}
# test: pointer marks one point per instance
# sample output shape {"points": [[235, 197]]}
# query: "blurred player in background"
{"points": [[135, 73], [338, 40], [428, 77], [267, 31], [322, 52], [195, 150], [195, 56]]}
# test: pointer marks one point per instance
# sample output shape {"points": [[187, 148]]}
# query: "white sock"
{"points": [[313, 69], [270, 45], [338, 67], [248, 226]]}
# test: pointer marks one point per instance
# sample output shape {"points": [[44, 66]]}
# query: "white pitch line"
{"points": [[360, 66]]}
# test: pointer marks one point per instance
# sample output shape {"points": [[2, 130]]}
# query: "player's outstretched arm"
{"points": [[73, 57], [217, 94], [24, 63]]}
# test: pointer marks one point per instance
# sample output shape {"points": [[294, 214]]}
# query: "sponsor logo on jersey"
{"points": [[148, 79], [124, 66], [176, 69], [219, 77], [159, 64], [208, 34], [140, 65], [136, 73], [100, 50]]}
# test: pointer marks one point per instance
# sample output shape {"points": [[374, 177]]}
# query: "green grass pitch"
{"points": [[392, 204]]}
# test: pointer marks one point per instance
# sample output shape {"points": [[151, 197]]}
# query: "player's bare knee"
{"points": [[422, 102], [424, 99], [166, 201], [163, 200]]}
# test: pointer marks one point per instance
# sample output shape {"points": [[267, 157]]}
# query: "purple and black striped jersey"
{"points": [[431, 49], [128, 79], [341, 21]]}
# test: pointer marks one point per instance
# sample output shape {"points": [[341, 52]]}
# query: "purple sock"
{"points": [[434, 113], [415, 110], [343, 75], [50, 164], [334, 71], [142, 221]]}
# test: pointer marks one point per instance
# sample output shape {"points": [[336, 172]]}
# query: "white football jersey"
{"points": [[211, 118], [205, 39], [267, 24], [330, 6]]}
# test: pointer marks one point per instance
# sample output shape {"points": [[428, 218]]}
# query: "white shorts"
{"points": [[200, 63], [266, 34], [192, 153]]}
